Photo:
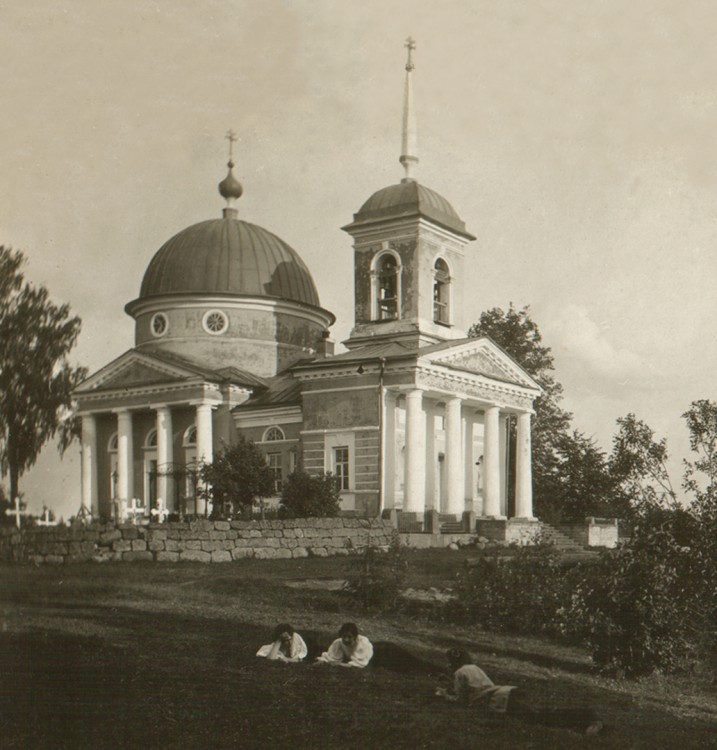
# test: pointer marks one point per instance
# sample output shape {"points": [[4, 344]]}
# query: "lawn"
{"points": [[162, 655]]}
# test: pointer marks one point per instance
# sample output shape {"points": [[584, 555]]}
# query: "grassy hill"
{"points": [[155, 656]]}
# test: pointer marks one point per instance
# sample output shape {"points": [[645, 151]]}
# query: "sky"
{"points": [[577, 140]]}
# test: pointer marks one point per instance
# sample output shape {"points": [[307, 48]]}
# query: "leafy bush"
{"points": [[378, 577], [306, 495], [238, 475], [522, 594], [634, 611]]}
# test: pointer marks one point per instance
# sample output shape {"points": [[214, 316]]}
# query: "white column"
{"points": [[89, 463], [504, 427], [433, 496], [389, 449], [125, 456], [205, 438], [469, 459], [414, 500], [491, 463], [454, 458], [205, 444], [164, 454], [523, 469]]}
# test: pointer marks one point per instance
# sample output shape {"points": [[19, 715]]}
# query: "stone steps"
{"points": [[558, 539], [449, 524]]}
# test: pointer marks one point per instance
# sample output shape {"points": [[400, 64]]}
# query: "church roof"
{"points": [[409, 198], [477, 356], [282, 390], [229, 256], [140, 368]]}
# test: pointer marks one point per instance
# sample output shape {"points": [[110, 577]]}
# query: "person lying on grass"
{"points": [[349, 650], [471, 685], [287, 645]]}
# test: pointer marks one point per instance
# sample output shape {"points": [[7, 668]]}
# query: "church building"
{"points": [[231, 340]]}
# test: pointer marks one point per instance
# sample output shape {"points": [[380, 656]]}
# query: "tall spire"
{"points": [[230, 188], [409, 147]]}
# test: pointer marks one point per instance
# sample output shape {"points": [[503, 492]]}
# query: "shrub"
{"points": [[306, 495], [378, 577], [636, 612], [238, 475], [523, 594]]}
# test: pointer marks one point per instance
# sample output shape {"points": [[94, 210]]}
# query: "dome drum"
{"points": [[262, 333]]}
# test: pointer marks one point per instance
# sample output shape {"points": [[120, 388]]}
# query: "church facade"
{"points": [[231, 340]]}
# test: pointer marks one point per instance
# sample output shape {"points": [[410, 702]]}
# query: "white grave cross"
{"points": [[160, 512], [135, 510], [45, 520], [15, 512]]}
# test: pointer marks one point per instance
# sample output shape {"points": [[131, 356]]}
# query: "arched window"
{"points": [[273, 434], [151, 440], [387, 287], [190, 437], [441, 292]]}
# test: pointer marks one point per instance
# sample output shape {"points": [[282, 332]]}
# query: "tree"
{"points": [[570, 473], [639, 463], [36, 380], [700, 479], [653, 601], [701, 473], [238, 475], [305, 495]]}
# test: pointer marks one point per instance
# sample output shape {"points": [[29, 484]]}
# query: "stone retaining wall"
{"points": [[594, 532], [202, 541]]}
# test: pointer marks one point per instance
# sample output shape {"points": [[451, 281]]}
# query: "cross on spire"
{"points": [[231, 136], [410, 45], [409, 150]]}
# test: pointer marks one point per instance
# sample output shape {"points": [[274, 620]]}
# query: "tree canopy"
{"points": [[571, 477], [306, 495], [238, 475], [639, 462], [36, 379]]}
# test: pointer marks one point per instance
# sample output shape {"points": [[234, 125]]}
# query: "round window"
{"points": [[215, 322], [159, 324]]}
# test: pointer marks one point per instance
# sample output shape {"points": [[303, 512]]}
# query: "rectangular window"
{"points": [[341, 466], [274, 460]]}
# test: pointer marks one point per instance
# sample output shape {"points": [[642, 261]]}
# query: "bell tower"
{"points": [[409, 253]]}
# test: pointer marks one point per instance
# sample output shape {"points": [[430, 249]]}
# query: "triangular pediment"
{"points": [[484, 357], [135, 369]]}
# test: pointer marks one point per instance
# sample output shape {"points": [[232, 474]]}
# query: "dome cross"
{"points": [[409, 136], [230, 188], [231, 136]]}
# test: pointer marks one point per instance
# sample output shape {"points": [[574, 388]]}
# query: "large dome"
{"points": [[409, 198], [229, 256]]}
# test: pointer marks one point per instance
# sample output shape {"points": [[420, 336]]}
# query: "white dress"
{"points": [[339, 653], [297, 650]]}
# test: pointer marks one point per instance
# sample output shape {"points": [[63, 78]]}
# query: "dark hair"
{"points": [[458, 657], [348, 628], [282, 627]]}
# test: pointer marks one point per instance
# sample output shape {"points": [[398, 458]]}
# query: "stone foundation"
{"points": [[510, 530], [593, 532], [200, 541]]}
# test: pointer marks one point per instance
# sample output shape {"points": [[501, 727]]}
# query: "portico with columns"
{"points": [[440, 416], [147, 425]]}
